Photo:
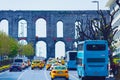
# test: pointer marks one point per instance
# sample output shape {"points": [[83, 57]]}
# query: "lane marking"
{"points": [[1, 73], [74, 77], [45, 73], [21, 75]]}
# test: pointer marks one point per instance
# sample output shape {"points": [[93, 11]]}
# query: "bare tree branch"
{"points": [[117, 1]]}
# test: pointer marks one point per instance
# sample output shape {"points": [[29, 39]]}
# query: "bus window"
{"points": [[95, 47], [72, 55], [80, 47], [93, 60], [79, 61]]}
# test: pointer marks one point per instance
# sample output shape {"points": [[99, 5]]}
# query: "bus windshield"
{"points": [[73, 55], [96, 47]]}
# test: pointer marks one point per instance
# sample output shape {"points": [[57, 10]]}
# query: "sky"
{"points": [[51, 5]]}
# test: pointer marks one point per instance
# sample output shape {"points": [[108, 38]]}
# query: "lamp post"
{"points": [[97, 4]]}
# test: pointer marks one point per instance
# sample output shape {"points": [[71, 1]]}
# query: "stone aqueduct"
{"points": [[68, 19]]}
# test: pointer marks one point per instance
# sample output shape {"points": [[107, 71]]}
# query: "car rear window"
{"points": [[60, 68], [36, 61], [18, 60]]}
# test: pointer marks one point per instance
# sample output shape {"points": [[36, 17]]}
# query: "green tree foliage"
{"points": [[8, 45], [13, 47], [4, 44], [26, 50]]}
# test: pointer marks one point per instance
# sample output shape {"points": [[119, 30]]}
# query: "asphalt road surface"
{"points": [[36, 74]]}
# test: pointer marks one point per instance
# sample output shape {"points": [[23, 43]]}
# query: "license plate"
{"points": [[60, 72]]}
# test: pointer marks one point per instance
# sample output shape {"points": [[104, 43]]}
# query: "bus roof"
{"points": [[92, 41], [71, 51]]}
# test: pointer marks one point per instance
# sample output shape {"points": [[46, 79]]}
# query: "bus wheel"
{"points": [[103, 78], [79, 76], [83, 78], [52, 78]]}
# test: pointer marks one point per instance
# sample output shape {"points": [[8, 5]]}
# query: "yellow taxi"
{"points": [[48, 65], [62, 62], [59, 71], [37, 64]]}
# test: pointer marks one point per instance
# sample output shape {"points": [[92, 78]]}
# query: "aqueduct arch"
{"points": [[68, 19]]}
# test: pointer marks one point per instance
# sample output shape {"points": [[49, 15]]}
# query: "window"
{"points": [[59, 29], [80, 47], [95, 47], [73, 55], [90, 60], [18, 60], [79, 61]]}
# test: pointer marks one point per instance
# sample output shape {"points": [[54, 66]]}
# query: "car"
{"points": [[37, 64], [16, 66], [20, 61], [59, 71], [50, 62], [48, 65], [55, 64], [61, 61]]}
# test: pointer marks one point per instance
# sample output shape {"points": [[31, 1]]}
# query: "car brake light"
{"points": [[54, 71], [66, 71]]}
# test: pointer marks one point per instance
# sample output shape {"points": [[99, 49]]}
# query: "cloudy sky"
{"points": [[51, 5]]}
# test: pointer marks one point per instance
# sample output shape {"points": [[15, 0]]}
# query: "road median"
{"points": [[4, 68]]}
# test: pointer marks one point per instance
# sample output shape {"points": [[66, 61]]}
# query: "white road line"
{"points": [[21, 75], [74, 77], [45, 75], [1, 73]]}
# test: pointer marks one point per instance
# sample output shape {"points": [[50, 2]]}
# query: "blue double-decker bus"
{"points": [[92, 59]]}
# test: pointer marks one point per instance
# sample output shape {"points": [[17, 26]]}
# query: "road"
{"points": [[36, 74]]}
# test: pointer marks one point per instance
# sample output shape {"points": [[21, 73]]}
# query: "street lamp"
{"points": [[97, 4]]}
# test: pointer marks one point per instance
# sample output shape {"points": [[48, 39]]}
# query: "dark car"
{"points": [[16, 67]]}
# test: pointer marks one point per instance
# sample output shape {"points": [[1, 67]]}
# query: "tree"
{"points": [[118, 2], [29, 50], [8, 45], [26, 50], [98, 28], [106, 29], [13, 47], [4, 44]]}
